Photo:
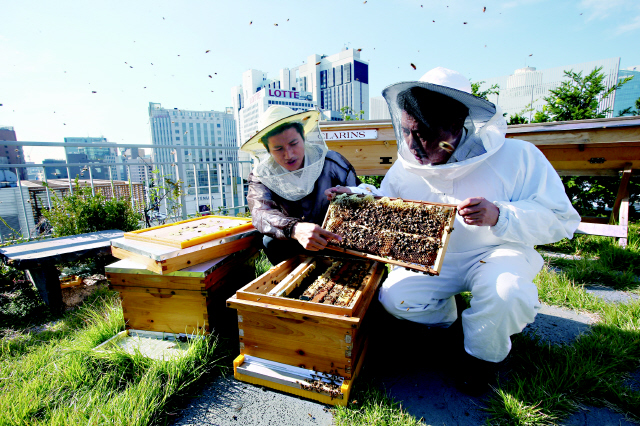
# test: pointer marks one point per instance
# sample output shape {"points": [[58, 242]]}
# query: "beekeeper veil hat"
{"points": [[483, 125], [291, 185]]}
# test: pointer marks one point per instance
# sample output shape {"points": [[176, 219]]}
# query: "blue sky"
{"points": [[53, 55]]}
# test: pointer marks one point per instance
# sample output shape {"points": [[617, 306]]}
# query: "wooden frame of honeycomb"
{"points": [[412, 234]]}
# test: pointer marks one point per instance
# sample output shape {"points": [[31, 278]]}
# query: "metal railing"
{"points": [[230, 190]]}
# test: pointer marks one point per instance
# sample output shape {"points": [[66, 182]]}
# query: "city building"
{"points": [[215, 167], [138, 165], [57, 172], [527, 87], [328, 83], [11, 154], [629, 93], [379, 109], [95, 154]]}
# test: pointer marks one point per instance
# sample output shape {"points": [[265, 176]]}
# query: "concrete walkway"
{"points": [[415, 369]]}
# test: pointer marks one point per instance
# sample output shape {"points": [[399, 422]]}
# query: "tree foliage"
{"points": [[577, 99], [82, 212], [517, 118], [493, 90], [630, 110], [348, 114]]}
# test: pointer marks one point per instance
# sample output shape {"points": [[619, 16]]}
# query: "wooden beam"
{"points": [[599, 147]]}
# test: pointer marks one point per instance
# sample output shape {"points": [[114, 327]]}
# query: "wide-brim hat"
{"points": [[275, 116], [449, 83]]}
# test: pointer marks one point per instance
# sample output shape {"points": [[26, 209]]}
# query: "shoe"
{"points": [[475, 376]]}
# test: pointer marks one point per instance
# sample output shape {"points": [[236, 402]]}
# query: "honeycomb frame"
{"points": [[408, 233]]}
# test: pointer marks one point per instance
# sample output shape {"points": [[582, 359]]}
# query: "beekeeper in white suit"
{"points": [[452, 149]]}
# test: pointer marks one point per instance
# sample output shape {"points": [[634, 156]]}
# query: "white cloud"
{"points": [[628, 27], [601, 9]]}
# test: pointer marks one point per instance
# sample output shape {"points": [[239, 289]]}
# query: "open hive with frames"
{"points": [[303, 321], [413, 234]]}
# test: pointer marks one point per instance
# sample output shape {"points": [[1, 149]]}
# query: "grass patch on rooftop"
{"points": [[55, 377]]}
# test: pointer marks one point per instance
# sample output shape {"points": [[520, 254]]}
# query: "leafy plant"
{"points": [[81, 212], [371, 180], [493, 90], [630, 111], [517, 119], [162, 190], [348, 114], [578, 97]]}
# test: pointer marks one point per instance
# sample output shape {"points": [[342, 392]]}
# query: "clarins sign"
{"points": [[350, 135]]}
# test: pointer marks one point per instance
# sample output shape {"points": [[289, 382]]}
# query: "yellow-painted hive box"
{"points": [[303, 327]]}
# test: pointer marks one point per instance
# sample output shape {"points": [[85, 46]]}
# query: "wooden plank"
{"points": [[142, 318], [268, 280], [158, 281], [294, 279], [293, 313], [301, 352], [604, 230], [160, 292], [375, 157], [150, 264], [313, 361], [623, 194], [295, 303], [257, 324], [181, 262]]}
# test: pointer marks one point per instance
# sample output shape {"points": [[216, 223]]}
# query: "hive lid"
{"points": [[160, 252], [191, 232], [408, 233], [201, 270]]}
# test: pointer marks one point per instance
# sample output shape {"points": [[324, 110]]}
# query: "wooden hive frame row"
{"points": [[413, 234]]}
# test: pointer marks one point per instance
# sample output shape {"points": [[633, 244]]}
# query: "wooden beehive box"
{"points": [[412, 234], [178, 302], [277, 328], [164, 259], [191, 232]]}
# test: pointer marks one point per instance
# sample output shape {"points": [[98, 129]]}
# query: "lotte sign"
{"points": [[288, 94]]}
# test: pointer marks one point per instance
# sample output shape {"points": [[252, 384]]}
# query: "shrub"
{"points": [[82, 212]]}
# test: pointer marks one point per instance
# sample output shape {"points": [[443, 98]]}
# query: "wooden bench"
{"points": [[39, 259], [599, 147]]}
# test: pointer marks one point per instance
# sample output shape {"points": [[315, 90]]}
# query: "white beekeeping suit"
{"points": [[497, 263]]}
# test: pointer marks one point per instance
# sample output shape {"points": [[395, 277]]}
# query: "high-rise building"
{"points": [[527, 87], [11, 154], [379, 109], [94, 154], [328, 83], [629, 93], [201, 168]]}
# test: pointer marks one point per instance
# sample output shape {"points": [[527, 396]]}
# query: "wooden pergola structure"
{"points": [[599, 147]]}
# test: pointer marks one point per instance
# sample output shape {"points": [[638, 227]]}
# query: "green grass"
{"points": [[547, 383], [55, 378], [371, 406]]}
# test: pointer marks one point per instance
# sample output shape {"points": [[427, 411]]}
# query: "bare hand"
{"points": [[332, 192], [478, 211], [311, 236]]}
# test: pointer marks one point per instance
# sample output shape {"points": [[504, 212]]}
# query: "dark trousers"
{"points": [[280, 250]]}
